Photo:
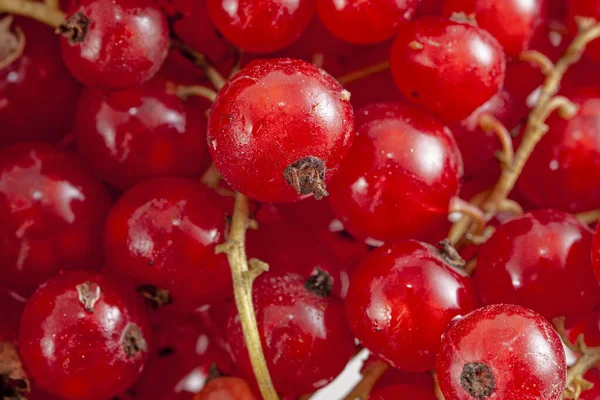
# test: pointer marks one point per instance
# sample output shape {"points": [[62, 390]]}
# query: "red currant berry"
{"points": [[114, 44], [436, 61], [564, 170], [528, 260], [226, 388], [395, 384], [430, 7], [404, 166], [513, 22], [261, 26], [162, 235], [593, 376], [83, 337], [365, 22], [279, 129], [587, 325], [139, 134], [304, 333], [501, 352], [589, 9], [37, 93], [52, 212], [11, 307], [401, 298]]}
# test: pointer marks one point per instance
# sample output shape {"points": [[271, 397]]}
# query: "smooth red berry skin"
{"points": [[395, 384], [589, 9], [436, 61], [52, 211], [596, 252], [125, 44], [404, 166], [365, 22], [37, 93], [528, 260], [592, 376], [84, 337], [305, 337], [137, 134], [520, 348], [564, 170], [401, 298], [226, 388], [261, 26], [11, 307], [513, 22], [164, 233], [272, 114]]}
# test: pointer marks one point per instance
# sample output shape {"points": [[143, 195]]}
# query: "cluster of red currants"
{"points": [[122, 148]]}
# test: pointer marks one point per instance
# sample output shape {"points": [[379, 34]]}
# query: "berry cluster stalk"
{"points": [[47, 13]]}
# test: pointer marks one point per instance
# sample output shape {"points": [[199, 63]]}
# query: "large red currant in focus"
{"points": [[436, 62], [84, 337], [512, 22], [303, 329], [37, 93], [365, 22], [162, 234], [401, 298], [113, 44], [395, 384], [540, 261], [403, 166], [52, 211], [501, 352], [279, 129], [138, 134], [564, 170], [261, 26]]}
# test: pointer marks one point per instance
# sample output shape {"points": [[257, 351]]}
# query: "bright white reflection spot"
{"points": [[202, 344], [360, 186], [193, 382], [482, 51], [527, 5], [336, 226], [554, 165], [432, 155], [231, 7]]}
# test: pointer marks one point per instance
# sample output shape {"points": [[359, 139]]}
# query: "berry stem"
{"points": [[200, 60], [489, 123], [589, 217], [370, 376], [536, 126], [53, 4], [185, 92], [41, 12], [243, 275], [363, 73]]}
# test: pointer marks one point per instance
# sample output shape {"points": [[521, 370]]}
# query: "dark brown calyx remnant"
{"points": [[89, 294], [306, 176], [14, 384], [477, 379], [133, 341], [319, 283], [155, 297], [74, 28], [450, 255], [12, 43]]}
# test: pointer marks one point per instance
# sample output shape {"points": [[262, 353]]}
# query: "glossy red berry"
{"points": [[564, 170], [279, 129], [226, 388], [162, 234], [512, 22], [141, 133], [585, 9], [395, 384], [37, 93], [52, 211], [436, 61], [114, 45], [401, 298], [501, 352], [404, 166], [365, 22], [303, 330], [530, 260], [83, 337], [261, 26]]}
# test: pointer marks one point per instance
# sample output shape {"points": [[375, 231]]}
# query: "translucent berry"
{"points": [[279, 129], [52, 211], [82, 336], [226, 388], [112, 44], [404, 166], [303, 330], [401, 298], [261, 26], [436, 61], [395, 384], [162, 234], [139, 134], [501, 352], [365, 22]]}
